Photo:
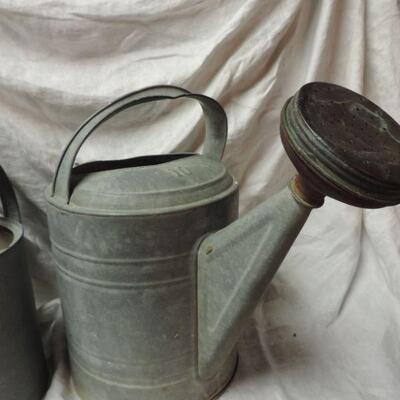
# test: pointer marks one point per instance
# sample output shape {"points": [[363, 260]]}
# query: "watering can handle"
{"points": [[215, 121], [8, 199]]}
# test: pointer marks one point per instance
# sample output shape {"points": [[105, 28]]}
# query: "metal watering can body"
{"points": [[157, 275], [125, 236], [23, 370]]}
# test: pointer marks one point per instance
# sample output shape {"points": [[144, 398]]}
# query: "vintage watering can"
{"points": [[23, 371], [156, 274]]}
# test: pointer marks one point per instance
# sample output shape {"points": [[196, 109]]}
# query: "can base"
{"points": [[90, 387], [224, 388]]}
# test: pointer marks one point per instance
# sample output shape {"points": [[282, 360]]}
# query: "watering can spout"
{"points": [[236, 263], [323, 132]]}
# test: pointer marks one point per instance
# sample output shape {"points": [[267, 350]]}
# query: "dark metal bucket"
{"points": [[23, 370]]}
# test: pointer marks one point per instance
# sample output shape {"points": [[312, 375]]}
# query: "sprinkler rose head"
{"points": [[343, 146]]}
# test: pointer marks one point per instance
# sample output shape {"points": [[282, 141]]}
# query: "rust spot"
{"points": [[209, 250], [304, 192]]}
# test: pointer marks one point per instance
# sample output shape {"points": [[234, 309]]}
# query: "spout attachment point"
{"points": [[305, 194]]}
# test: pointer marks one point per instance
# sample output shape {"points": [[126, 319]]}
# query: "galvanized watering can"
{"points": [[158, 276], [23, 371]]}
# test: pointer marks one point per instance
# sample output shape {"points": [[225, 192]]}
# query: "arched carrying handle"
{"points": [[215, 122], [8, 198]]}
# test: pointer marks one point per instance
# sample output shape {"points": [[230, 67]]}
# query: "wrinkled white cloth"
{"points": [[329, 324]]}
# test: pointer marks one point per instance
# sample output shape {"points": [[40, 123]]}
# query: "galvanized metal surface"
{"points": [[343, 145], [23, 370], [125, 238], [235, 265]]}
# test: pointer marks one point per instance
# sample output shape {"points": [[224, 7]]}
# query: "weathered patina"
{"points": [[343, 145]]}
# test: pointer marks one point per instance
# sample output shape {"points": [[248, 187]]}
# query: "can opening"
{"points": [[141, 161], [6, 238]]}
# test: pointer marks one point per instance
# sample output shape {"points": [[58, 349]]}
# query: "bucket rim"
{"points": [[17, 231]]}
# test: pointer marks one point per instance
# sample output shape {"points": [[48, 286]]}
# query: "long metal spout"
{"points": [[342, 145], [235, 266]]}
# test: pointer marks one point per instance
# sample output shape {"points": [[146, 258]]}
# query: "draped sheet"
{"points": [[328, 326]]}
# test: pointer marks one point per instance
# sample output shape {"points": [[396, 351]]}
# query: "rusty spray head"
{"points": [[343, 146]]}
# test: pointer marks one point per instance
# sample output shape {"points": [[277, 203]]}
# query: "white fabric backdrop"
{"points": [[329, 324]]}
